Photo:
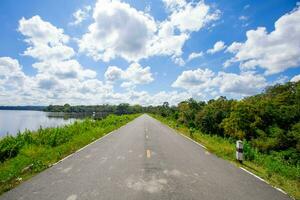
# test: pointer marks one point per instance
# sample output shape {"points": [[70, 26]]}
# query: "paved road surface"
{"points": [[143, 160]]}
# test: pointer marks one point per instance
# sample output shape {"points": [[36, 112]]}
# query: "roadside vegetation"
{"points": [[268, 123], [28, 153]]}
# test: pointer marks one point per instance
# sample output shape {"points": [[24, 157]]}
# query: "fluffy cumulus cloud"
{"points": [[218, 46], [192, 16], [39, 32], [205, 81], [135, 74], [48, 45], [193, 78], [275, 51], [296, 78], [108, 36], [45, 40], [11, 75]]}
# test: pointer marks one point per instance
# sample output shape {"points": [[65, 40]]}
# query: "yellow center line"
{"points": [[148, 153]]}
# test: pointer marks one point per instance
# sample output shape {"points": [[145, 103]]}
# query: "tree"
{"points": [[209, 118]]}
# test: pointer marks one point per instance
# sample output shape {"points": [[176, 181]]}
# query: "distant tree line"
{"points": [[123, 108]]}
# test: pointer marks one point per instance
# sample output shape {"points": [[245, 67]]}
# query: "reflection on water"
{"points": [[12, 121]]}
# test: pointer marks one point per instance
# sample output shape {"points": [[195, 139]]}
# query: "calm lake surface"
{"points": [[12, 121]]}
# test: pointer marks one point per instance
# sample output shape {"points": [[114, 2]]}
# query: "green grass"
{"points": [[29, 153], [268, 166]]}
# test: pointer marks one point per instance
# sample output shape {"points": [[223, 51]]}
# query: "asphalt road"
{"points": [[143, 160]]}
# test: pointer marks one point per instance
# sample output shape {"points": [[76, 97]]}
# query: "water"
{"points": [[12, 121]]}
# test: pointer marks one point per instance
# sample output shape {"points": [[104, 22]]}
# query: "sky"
{"points": [[145, 52]]}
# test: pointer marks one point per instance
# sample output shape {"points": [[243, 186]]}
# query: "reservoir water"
{"points": [[12, 121]]}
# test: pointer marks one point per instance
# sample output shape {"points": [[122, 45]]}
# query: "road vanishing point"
{"points": [[143, 160]]}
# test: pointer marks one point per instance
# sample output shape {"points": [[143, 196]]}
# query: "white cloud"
{"points": [[44, 89], [145, 98], [159, 98], [11, 75], [45, 52], [247, 83], [46, 42], [275, 51], [54, 55], [193, 17], [69, 69], [80, 15], [194, 55], [108, 37], [218, 46], [39, 32], [296, 78], [206, 81], [113, 73], [61, 79], [135, 74], [58, 72], [193, 78]]}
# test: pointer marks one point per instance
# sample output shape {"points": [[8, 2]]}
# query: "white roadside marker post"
{"points": [[239, 151]]}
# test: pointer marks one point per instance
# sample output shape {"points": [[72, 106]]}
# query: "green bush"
{"points": [[9, 147], [249, 152]]}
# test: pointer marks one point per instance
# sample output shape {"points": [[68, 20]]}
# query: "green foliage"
{"points": [[98, 110], [9, 147], [249, 152], [209, 118], [293, 136]]}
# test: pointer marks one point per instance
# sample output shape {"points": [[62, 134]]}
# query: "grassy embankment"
{"points": [[28, 153], [269, 167]]}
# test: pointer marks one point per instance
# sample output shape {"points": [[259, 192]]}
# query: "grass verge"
{"points": [[29, 153], [274, 171]]}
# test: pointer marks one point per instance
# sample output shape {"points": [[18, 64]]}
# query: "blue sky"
{"points": [[146, 52]]}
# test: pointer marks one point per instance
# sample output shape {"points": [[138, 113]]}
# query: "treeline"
{"points": [[269, 122], [120, 109]]}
